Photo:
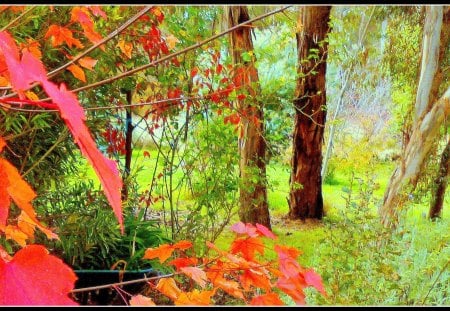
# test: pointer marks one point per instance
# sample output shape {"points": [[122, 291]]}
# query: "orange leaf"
{"points": [[183, 245], [26, 224], [82, 16], [269, 299], [163, 252], [87, 62], [183, 262], [171, 41], [125, 47], [248, 247], [2, 143], [77, 72], [231, 287], [168, 287], [197, 274], [33, 47], [33, 277], [195, 298], [14, 233], [140, 300], [59, 35], [256, 279]]}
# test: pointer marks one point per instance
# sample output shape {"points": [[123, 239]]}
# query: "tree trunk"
{"points": [[416, 152], [434, 45], [252, 147], [305, 197], [437, 200]]}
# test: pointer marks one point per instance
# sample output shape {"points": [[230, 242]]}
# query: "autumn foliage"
{"points": [[241, 272], [32, 276]]}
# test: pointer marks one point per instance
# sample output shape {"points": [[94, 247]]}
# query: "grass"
{"points": [[414, 253]]}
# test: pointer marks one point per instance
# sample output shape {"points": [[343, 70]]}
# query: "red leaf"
{"points": [[197, 274], [241, 228], [106, 169], [97, 11], [314, 279], [293, 287], [265, 232], [269, 299], [33, 277], [81, 15], [248, 247], [194, 72], [146, 154]]}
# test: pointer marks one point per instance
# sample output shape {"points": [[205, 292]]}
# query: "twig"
{"points": [[435, 281], [17, 18], [146, 279]]}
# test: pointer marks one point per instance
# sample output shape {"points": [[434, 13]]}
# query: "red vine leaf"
{"points": [[33, 277], [269, 299], [248, 247]]}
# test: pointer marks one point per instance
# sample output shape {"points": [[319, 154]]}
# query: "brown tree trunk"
{"points": [[305, 197], [252, 147], [437, 200], [428, 118]]}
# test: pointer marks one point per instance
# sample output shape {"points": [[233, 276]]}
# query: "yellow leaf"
{"points": [[168, 287], [31, 95], [125, 47], [171, 41], [4, 81], [77, 71], [14, 233]]}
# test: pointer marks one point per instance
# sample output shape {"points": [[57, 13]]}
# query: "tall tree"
{"points": [[441, 180], [252, 146], [430, 114], [305, 197]]}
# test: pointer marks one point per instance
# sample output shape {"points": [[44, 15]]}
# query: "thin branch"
{"points": [[103, 41], [17, 18], [170, 56], [146, 279]]}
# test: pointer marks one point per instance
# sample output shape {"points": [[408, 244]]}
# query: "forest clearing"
{"points": [[224, 155]]}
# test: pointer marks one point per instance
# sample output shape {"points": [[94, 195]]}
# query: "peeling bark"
{"points": [[252, 146], [305, 197]]}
